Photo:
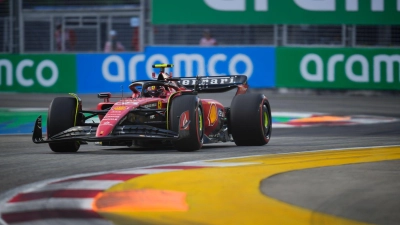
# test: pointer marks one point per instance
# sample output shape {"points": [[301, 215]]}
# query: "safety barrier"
{"points": [[266, 67]]}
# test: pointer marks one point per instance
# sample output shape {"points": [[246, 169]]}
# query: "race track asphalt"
{"points": [[22, 162]]}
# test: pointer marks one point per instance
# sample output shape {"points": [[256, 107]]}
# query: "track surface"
{"points": [[365, 192], [22, 162]]}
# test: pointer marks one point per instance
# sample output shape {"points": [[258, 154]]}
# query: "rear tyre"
{"points": [[62, 116], [250, 120], [193, 138]]}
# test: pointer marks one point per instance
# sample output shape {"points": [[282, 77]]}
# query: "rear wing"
{"points": [[215, 84]]}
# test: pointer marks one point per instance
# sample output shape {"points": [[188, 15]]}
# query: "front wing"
{"points": [[120, 133]]}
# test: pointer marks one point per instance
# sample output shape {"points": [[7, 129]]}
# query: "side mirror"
{"points": [[105, 95]]}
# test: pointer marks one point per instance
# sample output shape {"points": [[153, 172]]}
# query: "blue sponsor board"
{"points": [[114, 72]]}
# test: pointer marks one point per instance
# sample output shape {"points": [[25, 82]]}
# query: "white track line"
{"points": [[216, 164], [50, 203], [77, 185], [145, 171], [66, 222]]}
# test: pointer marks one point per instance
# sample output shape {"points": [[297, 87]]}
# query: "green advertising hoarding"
{"points": [[338, 68], [38, 73], [276, 12]]}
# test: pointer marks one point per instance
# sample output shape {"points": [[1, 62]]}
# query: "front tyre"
{"points": [[187, 108], [250, 120], [62, 116]]}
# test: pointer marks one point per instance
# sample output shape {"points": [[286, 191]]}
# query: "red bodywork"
{"points": [[213, 111]]}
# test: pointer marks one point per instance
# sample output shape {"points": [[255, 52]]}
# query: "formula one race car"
{"points": [[165, 111]]}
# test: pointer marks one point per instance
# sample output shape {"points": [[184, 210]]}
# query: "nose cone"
{"points": [[111, 119]]}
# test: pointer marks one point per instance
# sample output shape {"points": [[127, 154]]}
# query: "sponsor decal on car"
{"points": [[111, 116], [119, 108], [114, 113], [109, 119], [107, 123], [207, 81], [183, 121], [151, 105], [159, 106], [130, 103], [212, 114]]}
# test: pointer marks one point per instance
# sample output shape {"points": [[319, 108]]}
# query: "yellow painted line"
{"points": [[231, 195]]}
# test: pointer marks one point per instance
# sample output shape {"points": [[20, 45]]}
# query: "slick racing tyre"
{"points": [[188, 110], [62, 116], [250, 120]]}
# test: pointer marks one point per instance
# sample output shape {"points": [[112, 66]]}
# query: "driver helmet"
{"points": [[163, 76], [156, 91]]}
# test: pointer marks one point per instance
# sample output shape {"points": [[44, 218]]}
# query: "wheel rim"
{"points": [[266, 122], [200, 113]]}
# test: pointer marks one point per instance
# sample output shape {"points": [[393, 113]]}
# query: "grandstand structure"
{"points": [[30, 26]]}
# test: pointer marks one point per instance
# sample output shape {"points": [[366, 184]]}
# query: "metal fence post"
{"points": [[284, 35], [276, 35], [343, 35], [141, 25], [62, 34], [21, 27], [149, 26], [109, 27], [52, 34], [353, 36], [11, 27], [98, 34]]}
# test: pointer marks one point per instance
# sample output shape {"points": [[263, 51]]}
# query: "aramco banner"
{"points": [[114, 72], [338, 68], [276, 12], [44, 73]]}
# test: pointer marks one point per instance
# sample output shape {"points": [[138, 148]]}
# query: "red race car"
{"points": [[164, 111]]}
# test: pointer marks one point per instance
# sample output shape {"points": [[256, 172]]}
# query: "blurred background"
{"points": [[28, 26], [282, 33]]}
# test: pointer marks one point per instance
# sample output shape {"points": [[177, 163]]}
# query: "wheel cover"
{"points": [[266, 121], [200, 113]]}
